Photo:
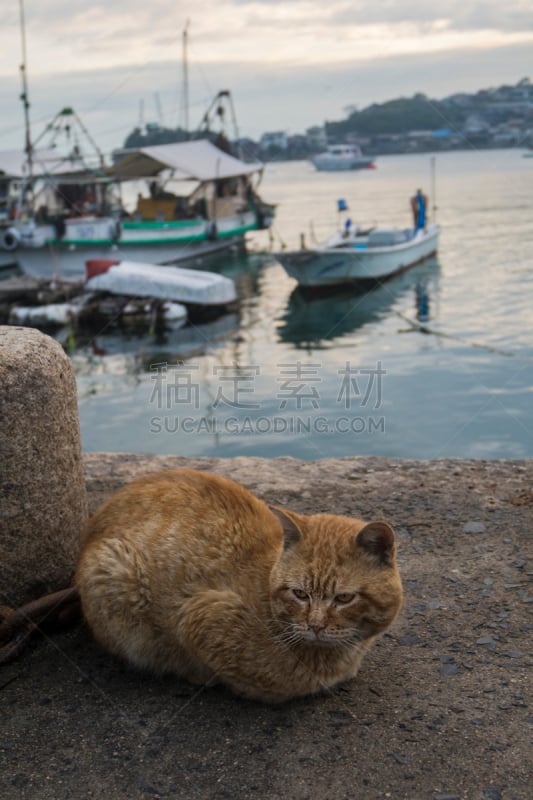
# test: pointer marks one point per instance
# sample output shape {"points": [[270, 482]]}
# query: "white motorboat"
{"points": [[48, 315], [359, 257], [340, 157], [133, 279]]}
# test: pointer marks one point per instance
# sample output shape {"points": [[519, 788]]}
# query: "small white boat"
{"points": [[360, 257], [49, 315], [65, 315], [133, 279], [340, 157]]}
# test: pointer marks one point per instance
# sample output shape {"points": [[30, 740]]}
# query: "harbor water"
{"points": [[437, 362]]}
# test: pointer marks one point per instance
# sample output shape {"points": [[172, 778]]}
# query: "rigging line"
{"points": [[207, 84], [119, 86], [451, 124], [20, 126], [421, 328], [11, 129]]}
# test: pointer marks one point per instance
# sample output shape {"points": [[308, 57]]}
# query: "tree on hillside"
{"points": [[397, 116]]}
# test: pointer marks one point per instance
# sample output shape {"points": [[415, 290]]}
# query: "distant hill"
{"points": [[398, 116], [490, 106], [501, 116]]}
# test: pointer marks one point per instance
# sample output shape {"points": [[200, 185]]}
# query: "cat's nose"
{"points": [[316, 627]]}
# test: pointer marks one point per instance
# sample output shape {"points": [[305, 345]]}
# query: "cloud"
{"points": [[289, 63], [266, 97], [63, 36], [515, 16]]}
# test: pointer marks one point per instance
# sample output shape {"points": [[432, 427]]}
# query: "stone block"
{"points": [[43, 501]]}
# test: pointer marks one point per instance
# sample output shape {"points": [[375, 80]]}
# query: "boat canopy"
{"points": [[197, 160]]}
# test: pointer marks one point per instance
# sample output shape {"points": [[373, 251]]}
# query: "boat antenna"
{"points": [[159, 108], [433, 190], [24, 96], [235, 128], [185, 79]]}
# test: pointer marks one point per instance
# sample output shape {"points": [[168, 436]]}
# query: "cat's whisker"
{"points": [[290, 637]]}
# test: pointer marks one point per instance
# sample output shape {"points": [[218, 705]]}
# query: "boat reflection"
{"points": [[109, 361], [313, 322]]}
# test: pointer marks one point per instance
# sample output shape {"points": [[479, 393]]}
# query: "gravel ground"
{"points": [[439, 711]]}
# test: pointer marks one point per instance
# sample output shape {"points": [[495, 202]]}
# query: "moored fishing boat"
{"points": [[199, 201], [73, 209], [360, 258]]}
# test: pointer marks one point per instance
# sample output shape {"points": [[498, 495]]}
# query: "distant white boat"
{"points": [[133, 279], [362, 258], [340, 157]]}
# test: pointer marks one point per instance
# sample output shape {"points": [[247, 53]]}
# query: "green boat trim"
{"points": [[184, 239], [161, 226]]}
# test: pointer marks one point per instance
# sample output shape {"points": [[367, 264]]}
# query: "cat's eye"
{"points": [[344, 598], [300, 594]]}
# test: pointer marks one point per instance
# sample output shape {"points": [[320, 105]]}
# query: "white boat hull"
{"points": [[332, 164], [358, 264], [41, 254], [69, 263], [342, 157]]}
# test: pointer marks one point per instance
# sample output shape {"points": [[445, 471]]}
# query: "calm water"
{"points": [[438, 362]]}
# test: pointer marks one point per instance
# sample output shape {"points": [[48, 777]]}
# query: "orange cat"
{"points": [[190, 573]]}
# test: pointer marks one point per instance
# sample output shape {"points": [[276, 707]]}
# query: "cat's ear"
{"points": [[377, 539], [291, 531]]}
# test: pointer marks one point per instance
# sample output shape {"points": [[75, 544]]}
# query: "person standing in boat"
{"points": [[419, 203]]}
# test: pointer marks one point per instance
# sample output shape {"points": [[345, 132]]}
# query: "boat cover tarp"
{"points": [[197, 160], [137, 279]]}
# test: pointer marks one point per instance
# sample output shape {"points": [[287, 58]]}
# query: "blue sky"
{"points": [[289, 63]]}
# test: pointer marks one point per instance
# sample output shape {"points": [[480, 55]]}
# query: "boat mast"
{"points": [[24, 96], [433, 190], [185, 80]]}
